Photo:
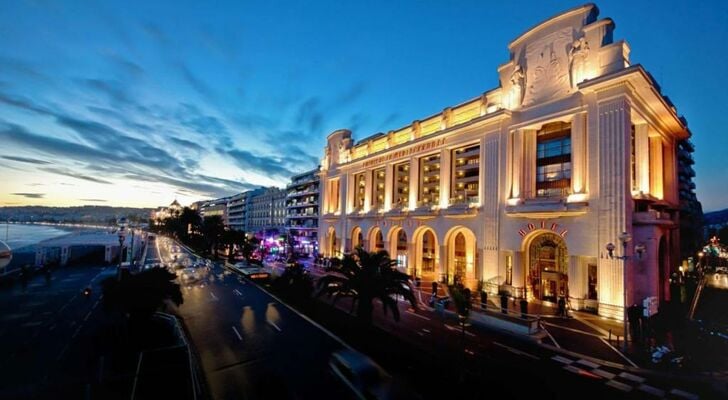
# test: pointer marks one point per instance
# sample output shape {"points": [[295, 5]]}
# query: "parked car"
{"points": [[362, 375]]}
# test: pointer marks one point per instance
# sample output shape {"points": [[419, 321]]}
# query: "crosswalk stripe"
{"points": [[651, 390], [620, 386], [604, 374], [683, 394], [631, 377], [562, 360]]}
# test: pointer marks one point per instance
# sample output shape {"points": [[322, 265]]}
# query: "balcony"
{"points": [[547, 207], [303, 204], [302, 193], [652, 217]]}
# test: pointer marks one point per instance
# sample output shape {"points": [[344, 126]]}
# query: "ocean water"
{"points": [[25, 235]]}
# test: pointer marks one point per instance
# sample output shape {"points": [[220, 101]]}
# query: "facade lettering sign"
{"points": [[407, 152]]}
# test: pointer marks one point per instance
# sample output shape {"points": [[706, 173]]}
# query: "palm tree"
{"points": [[366, 276]]}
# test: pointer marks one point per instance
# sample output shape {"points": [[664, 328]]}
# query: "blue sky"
{"points": [[131, 103]]}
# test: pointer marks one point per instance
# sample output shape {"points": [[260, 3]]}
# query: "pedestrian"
{"points": [[562, 306]]}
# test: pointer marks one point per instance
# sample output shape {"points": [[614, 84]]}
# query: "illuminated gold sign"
{"points": [[554, 227], [406, 152]]}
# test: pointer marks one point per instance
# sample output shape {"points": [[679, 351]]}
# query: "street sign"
{"points": [[650, 305]]}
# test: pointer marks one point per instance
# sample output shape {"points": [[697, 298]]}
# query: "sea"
{"points": [[20, 236]]}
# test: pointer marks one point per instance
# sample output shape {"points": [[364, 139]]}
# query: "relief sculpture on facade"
{"points": [[578, 61], [547, 63], [517, 85]]}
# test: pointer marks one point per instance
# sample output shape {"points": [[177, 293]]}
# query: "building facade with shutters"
{"points": [[524, 186]]}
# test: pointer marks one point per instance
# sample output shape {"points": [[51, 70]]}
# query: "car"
{"points": [[190, 275], [362, 375], [251, 271]]}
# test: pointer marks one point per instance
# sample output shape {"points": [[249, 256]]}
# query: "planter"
{"points": [[524, 308], [504, 304]]}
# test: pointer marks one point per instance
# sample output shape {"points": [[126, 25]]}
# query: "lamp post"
{"points": [[122, 238], [624, 238]]}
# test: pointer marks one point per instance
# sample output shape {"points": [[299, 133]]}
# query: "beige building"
{"points": [[524, 186]]}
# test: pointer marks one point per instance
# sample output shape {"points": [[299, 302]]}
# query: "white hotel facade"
{"points": [[523, 186]]}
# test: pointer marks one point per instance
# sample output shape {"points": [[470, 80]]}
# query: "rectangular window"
{"points": [[360, 183], [378, 188], [334, 195], [553, 160], [465, 175], [509, 270], [592, 288], [400, 194], [429, 193]]}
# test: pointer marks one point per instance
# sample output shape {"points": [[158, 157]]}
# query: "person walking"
{"points": [[562, 306]]}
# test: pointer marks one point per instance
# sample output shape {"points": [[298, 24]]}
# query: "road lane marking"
{"points": [[237, 292], [683, 394], [63, 351], [417, 315], [620, 386], [619, 352], [518, 352], [77, 331], [562, 360], [274, 325], [214, 298], [604, 374], [587, 363], [32, 324], [237, 334], [631, 377], [458, 330], [87, 315], [303, 316], [551, 337], [652, 390]]}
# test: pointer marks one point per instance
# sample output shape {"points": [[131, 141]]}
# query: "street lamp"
{"points": [[122, 238], [624, 238]]}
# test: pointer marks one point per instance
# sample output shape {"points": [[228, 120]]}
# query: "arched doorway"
{"points": [[426, 257], [357, 239], [548, 267], [398, 248], [376, 240], [333, 243], [462, 256]]}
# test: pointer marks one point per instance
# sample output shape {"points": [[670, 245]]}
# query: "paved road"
{"points": [[250, 345], [45, 328]]}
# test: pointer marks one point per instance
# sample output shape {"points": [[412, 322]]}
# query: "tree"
{"points": [[366, 276], [140, 295], [213, 229], [295, 283]]}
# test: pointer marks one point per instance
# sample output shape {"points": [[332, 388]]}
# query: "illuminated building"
{"points": [[523, 186]]}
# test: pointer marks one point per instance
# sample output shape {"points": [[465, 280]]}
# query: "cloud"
{"points": [[265, 165], [309, 114], [17, 67], [198, 84], [188, 144], [67, 172], [94, 200], [30, 195], [24, 104], [115, 91], [26, 160]]}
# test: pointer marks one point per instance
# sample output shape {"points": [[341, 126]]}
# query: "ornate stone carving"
{"points": [[517, 85], [578, 60], [547, 67]]}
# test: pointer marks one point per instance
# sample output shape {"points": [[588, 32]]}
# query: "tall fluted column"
{"points": [[578, 154], [615, 204]]}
